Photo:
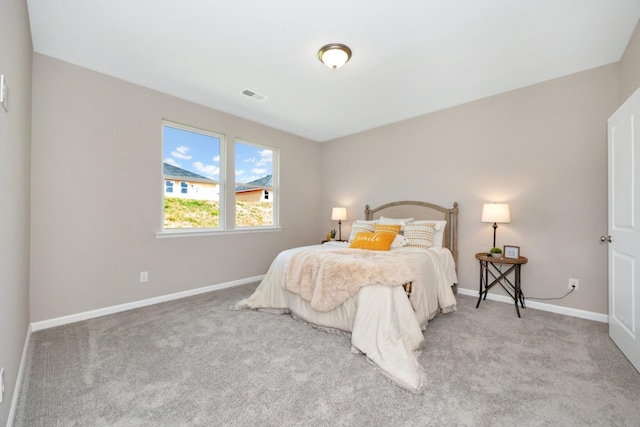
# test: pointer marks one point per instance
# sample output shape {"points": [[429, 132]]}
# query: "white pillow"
{"points": [[438, 236], [396, 221], [399, 242], [419, 234], [361, 225]]}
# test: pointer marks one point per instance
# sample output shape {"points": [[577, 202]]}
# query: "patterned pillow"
{"points": [[378, 241], [419, 234], [389, 228], [359, 226]]}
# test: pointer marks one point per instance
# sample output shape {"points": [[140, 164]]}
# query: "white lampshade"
{"points": [[334, 55], [338, 214], [496, 212]]}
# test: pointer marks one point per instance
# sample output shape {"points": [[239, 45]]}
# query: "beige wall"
{"points": [[630, 66], [542, 149], [15, 137], [93, 136]]}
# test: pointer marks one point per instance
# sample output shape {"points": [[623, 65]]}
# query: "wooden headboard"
{"points": [[422, 210]]}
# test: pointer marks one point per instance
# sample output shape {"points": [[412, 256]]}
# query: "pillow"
{"points": [[399, 221], [399, 241], [359, 226], [419, 234], [389, 228], [438, 236], [377, 241]]}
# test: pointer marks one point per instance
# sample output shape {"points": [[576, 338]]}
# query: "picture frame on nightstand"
{"points": [[511, 252]]}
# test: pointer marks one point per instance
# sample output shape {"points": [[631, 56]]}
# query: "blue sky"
{"points": [[199, 153]]}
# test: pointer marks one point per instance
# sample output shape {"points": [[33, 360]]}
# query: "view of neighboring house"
{"points": [[181, 183], [259, 190]]}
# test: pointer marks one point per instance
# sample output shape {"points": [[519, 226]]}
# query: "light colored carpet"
{"points": [[193, 362]]}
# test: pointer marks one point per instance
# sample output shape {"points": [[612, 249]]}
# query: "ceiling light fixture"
{"points": [[334, 55]]}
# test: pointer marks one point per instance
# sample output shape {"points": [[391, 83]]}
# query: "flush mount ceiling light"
{"points": [[334, 55]]}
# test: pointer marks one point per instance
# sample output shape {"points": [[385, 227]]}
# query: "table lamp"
{"points": [[495, 213], [339, 214]]}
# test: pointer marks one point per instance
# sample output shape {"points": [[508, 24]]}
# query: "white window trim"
{"points": [[275, 189], [222, 184], [201, 232], [221, 179]]}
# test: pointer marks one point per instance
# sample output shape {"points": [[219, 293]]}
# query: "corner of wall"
{"points": [[630, 66]]}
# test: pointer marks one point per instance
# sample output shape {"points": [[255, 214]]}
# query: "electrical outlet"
{"points": [[1, 385], [144, 276], [574, 283]]}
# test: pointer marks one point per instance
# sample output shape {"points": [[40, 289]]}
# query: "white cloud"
{"points": [[181, 153], [172, 162], [210, 170], [261, 165], [266, 157], [216, 159]]}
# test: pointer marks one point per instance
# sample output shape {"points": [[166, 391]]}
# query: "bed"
{"points": [[384, 318]]}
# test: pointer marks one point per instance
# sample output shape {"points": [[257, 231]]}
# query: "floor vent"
{"points": [[253, 95]]}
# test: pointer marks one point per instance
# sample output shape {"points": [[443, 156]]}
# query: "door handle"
{"points": [[605, 239]]}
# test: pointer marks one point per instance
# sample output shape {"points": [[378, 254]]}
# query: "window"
{"points": [[192, 158], [255, 184], [194, 167]]}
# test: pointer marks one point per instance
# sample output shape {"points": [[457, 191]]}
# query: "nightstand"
{"points": [[493, 266]]}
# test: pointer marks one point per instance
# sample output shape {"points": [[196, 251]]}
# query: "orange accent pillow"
{"points": [[388, 228], [377, 241]]}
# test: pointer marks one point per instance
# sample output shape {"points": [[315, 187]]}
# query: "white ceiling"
{"points": [[410, 57]]}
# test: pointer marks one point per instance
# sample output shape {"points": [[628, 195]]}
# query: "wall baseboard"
{"points": [[18, 387], [573, 312], [58, 321], [72, 318]]}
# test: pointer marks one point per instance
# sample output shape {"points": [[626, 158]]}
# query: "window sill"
{"points": [[168, 234]]}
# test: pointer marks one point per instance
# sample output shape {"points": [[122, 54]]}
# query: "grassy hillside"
{"points": [[185, 213]]}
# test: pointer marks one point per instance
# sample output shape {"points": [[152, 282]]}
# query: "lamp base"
{"points": [[495, 227]]}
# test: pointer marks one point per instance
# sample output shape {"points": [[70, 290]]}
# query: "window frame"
{"points": [[275, 177], [226, 185], [177, 189]]}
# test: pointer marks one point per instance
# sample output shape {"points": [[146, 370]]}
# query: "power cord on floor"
{"points": [[573, 288]]}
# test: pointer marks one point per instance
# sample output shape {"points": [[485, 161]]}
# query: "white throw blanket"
{"points": [[328, 278]]}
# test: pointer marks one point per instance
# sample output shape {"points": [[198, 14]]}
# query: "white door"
{"points": [[624, 228]]}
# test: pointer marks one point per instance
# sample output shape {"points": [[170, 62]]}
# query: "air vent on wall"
{"points": [[253, 95]]}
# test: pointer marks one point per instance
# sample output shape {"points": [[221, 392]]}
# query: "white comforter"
{"points": [[382, 322]]}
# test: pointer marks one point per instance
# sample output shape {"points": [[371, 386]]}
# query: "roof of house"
{"points": [[174, 172], [266, 182]]}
